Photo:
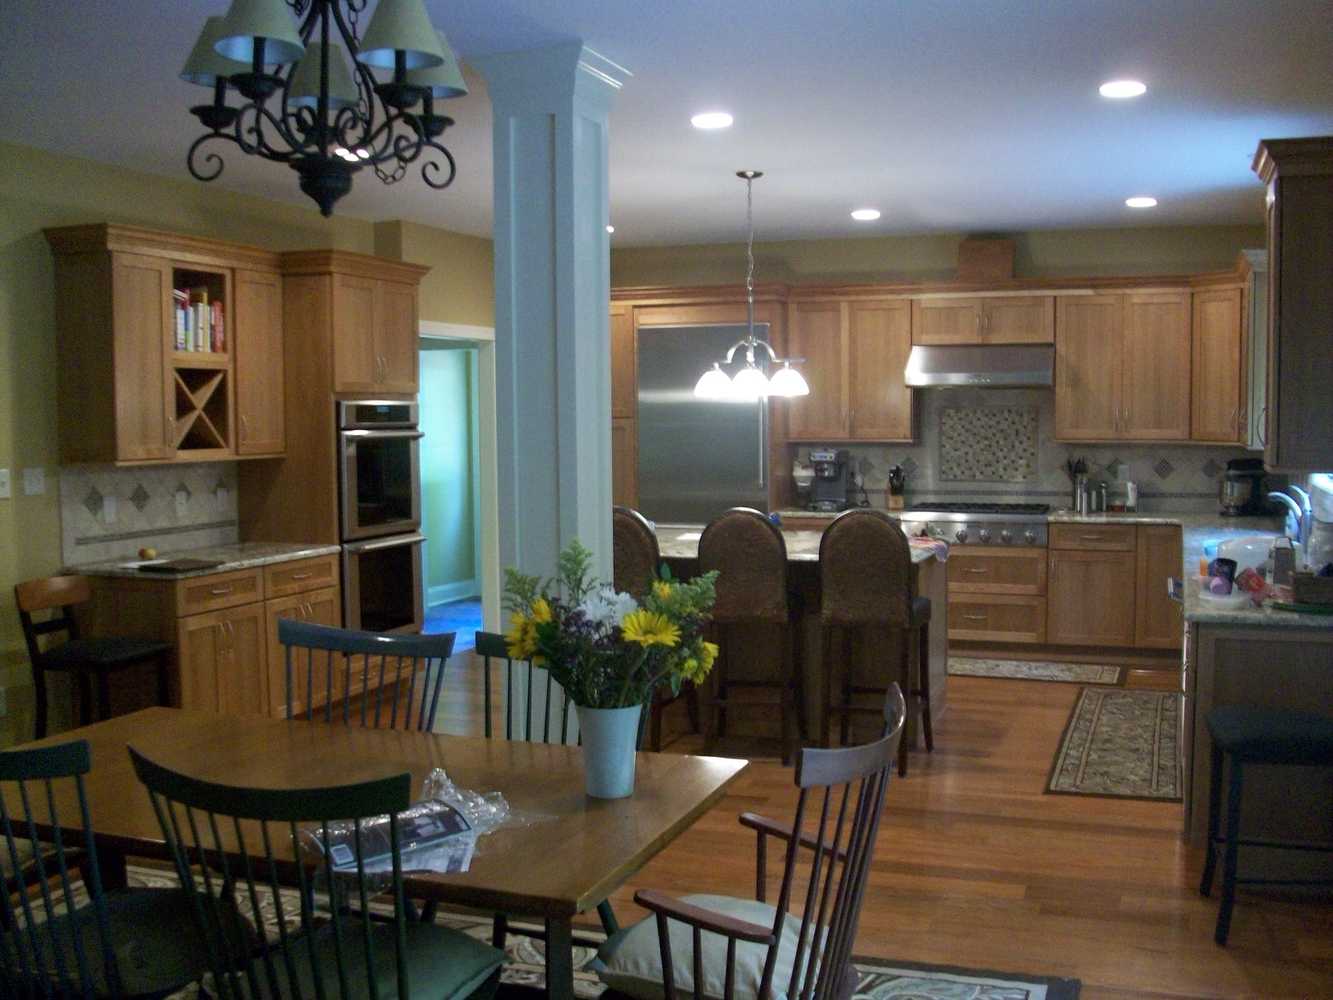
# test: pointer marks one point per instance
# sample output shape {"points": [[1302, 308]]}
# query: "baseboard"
{"points": [[445, 592]]}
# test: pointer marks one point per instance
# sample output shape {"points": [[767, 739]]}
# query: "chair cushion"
{"points": [[441, 962], [115, 651], [631, 960], [1272, 735]]}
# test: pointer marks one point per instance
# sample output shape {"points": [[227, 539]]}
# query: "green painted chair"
{"points": [[61, 934], [222, 839]]}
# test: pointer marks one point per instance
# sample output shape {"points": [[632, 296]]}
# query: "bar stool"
{"points": [[749, 553], [84, 658], [865, 574], [1256, 736], [635, 558]]}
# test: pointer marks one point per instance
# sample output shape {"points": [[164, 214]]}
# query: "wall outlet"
{"points": [[109, 509], [34, 482], [4, 484]]}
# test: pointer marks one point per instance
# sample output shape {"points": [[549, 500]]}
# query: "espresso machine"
{"points": [[832, 488]]}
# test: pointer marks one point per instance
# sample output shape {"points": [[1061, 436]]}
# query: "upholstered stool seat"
{"points": [[1253, 735]]}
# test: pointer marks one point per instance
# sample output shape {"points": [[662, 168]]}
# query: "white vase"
{"points": [[610, 738]]}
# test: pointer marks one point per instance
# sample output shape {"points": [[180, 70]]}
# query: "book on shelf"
{"points": [[200, 324]]}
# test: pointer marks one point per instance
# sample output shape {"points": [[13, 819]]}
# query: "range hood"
{"points": [[1000, 366]]}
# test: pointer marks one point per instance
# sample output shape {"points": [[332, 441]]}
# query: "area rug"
{"points": [[1120, 744], [1036, 670], [524, 977]]}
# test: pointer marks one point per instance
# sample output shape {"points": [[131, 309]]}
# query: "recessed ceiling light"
{"points": [[1141, 201], [610, 229], [1121, 89], [865, 214], [711, 120]]}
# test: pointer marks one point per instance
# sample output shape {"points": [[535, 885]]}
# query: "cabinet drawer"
{"points": [[980, 569], [997, 618], [295, 577], [1102, 537], [218, 590]]}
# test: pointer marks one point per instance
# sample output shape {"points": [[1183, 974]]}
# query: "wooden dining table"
{"points": [[566, 854]]}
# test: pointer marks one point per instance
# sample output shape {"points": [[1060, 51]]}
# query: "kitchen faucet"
{"points": [[1298, 513]]}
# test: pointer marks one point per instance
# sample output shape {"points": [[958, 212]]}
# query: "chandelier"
{"points": [[750, 383], [310, 97]]}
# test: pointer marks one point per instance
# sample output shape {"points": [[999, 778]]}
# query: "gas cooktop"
{"points": [[978, 522]]}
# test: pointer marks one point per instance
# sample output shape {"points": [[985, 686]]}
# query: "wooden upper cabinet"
{"points": [[356, 363], [1218, 373], [816, 332], [624, 371], [1088, 353], [1155, 374], [946, 320], [142, 321], [397, 335], [258, 349], [1018, 319], [879, 337]]}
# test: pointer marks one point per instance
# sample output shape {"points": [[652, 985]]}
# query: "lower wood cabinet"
{"points": [[625, 462], [322, 607], [997, 618], [1091, 599], [1159, 622], [221, 657], [997, 594]]}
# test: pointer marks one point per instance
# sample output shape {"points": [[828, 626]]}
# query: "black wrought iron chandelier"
{"points": [[303, 105]]}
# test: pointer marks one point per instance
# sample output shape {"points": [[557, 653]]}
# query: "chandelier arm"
{"points": [[212, 159], [432, 164], [260, 145]]}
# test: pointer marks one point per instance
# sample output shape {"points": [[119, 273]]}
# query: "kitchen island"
{"points": [[679, 546]]}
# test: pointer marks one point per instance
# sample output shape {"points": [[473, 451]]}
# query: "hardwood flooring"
{"points": [[975, 866]]}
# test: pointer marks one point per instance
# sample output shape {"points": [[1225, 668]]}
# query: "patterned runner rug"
{"points": [[1036, 670], [1122, 744]]}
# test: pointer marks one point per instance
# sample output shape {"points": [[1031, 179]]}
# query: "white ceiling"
{"points": [[948, 115]]}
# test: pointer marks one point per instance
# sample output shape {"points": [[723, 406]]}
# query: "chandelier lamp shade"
{"points": [[751, 383], [318, 94]]}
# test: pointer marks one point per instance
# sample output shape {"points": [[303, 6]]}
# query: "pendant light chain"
{"points": [[749, 259]]}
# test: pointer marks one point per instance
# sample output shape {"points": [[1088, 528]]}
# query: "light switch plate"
{"points": [[34, 481], [109, 509], [4, 484]]}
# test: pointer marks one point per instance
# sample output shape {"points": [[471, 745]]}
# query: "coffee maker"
{"points": [[1241, 488], [832, 487]]}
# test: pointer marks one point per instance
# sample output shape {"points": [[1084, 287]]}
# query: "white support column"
{"points": [[552, 289]]}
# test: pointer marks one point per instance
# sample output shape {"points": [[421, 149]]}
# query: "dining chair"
{"points": [[635, 559], [327, 667], [231, 843], [61, 933], [865, 583], [750, 556], [801, 944], [84, 658]]}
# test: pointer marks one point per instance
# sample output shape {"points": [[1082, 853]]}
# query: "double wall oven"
{"points": [[379, 475]]}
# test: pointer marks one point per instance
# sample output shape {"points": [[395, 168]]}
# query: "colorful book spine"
{"points": [[215, 320]]}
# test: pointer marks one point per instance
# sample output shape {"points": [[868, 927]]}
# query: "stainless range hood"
{"points": [[1000, 366]]}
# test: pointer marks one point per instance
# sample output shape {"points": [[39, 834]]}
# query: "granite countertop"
{"points": [[243, 555], [681, 541]]}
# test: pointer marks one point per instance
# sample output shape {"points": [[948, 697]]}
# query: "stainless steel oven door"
{"points": [[380, 482], [382, 584]]}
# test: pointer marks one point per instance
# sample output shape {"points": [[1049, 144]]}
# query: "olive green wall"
{"points": [[460, 287], [1046, 253]]}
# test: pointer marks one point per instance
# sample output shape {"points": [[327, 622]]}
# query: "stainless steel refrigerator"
{"points": [[696, 457]]}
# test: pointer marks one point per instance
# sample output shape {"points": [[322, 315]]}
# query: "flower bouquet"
{"points": [[609, 651]]}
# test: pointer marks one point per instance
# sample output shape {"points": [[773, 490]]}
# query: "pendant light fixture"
{"points": [[310, 97], [750, 384]]}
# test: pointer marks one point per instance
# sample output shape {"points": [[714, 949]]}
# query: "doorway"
{"points": [[451, 508]]}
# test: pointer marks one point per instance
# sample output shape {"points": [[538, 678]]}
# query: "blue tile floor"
{"points": [[463, 617]]}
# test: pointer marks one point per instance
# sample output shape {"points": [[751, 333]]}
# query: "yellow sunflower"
{"points": [[521, 639], [648, 628], [541, 611]]}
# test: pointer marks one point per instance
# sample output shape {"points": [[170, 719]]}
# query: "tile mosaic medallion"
{"points": [[995, 444]]}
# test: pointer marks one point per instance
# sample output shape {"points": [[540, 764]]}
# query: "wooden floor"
{"points": [[976, 867]]}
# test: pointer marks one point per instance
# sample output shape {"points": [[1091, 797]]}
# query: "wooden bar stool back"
{"points": [[865, 573], [749, 554], [84, 658], [635, 559]]}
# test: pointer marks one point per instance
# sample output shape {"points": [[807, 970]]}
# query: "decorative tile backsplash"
{"points": [[1170, 477], [108, 512], [988, 444]]}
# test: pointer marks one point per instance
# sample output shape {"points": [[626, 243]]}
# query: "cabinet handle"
{"points": [[302, 576], [221, 591], [245, 427], [309, 611], [975, 618], [1263, 426], [1092, 538], [975, 569]]}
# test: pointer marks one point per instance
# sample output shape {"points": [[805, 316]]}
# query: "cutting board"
{"points": [[180, 566]]}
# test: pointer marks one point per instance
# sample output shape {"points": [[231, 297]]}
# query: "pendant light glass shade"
{"points": [[271, 20], [749, 385], [713, 384], [442, 81], [204, 66], [304, 91], [401, 26], [787, 381]]}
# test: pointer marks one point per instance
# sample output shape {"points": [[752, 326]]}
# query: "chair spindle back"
{"points": [[554, 705]]}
